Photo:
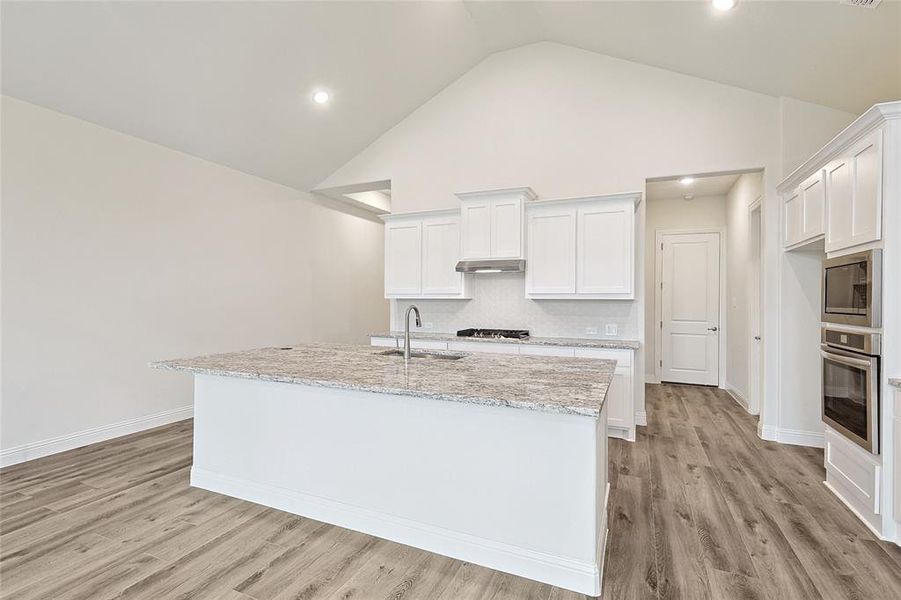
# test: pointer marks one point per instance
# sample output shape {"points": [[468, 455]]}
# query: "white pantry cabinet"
{"points": [[581, 248], [492, 222], [804, 211], [421, 253], [854, 195]]}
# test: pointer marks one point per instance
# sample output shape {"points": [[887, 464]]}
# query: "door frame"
{"points": [[658, 300], [754, 404]]}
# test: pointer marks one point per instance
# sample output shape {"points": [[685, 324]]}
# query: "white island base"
{"points": [[521, 491]]}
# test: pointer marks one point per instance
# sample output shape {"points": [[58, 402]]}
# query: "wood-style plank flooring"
{"points": [[700, 508]]}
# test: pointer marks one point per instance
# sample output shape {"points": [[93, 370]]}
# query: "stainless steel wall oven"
{"points": [[851, 385]]}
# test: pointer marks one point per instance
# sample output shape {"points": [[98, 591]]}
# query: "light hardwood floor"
{"points": [[700, 508]]}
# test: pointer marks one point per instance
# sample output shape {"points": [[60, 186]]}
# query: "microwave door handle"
{"points": [[845, 359]]}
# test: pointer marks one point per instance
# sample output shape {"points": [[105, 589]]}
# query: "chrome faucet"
{"points": [[407, 329]]}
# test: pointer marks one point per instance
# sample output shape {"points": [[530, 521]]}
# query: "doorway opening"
{"points": [[702, 282]]}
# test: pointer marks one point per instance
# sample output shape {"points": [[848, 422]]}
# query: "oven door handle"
{"points": [[845, 358]]}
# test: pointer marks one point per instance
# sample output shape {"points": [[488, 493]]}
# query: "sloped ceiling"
{"points": [[231, 81]]}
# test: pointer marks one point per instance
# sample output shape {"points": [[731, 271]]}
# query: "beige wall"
{"points": [[804, 128], [117, 252], [703, 212], [744, 192]]}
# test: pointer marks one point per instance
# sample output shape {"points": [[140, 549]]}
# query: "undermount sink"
{"points": [[423, 354]]}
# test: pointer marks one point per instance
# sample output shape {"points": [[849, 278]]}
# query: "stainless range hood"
{"points": [[492, 265]]}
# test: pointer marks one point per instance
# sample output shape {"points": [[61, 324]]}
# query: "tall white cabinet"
{"points": [[581, 248], [421, 253]]}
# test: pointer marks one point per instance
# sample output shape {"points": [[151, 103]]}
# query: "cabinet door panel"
{"points": [[403, 258], [838, 212], [476, 229], [793, 215], [604, 250], [506, 228], [551, 264], [866, 212], [813, 200], [440, 253], [619, 399]]}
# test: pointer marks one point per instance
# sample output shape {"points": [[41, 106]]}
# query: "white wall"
{"points": [[117, 252], [805, 127], [702, 212], [744, 192], [569, 122]]}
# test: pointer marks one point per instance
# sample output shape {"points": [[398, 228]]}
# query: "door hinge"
{"points": [[661, 245], [661, 285], [661, 363], [661, 324]]}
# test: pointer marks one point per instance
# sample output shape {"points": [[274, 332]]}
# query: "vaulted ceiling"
{"points": [[231, 81]]}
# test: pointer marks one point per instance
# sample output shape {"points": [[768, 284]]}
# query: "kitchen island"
{"points": [[492, 459]]}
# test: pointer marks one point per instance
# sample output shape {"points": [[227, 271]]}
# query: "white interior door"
{"points": [[690, 308]]}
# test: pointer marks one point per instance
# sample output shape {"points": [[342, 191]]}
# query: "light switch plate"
{"points": [[610, 329]]}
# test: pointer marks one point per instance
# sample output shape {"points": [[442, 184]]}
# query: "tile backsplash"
{"points": [[498, 301]]}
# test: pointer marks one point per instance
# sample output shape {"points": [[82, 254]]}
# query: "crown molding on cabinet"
{"points": [[419, 214], [527, 193], [635, 197], [865, 123]]}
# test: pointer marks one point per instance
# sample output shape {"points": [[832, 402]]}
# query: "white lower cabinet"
{"points": [[620, 395], [854, 475], [896, 434]]}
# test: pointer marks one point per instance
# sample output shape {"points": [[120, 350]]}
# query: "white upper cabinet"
{"points": [[421, 253], [604, 249], [492, 223], [476, 229], [440, 253], [403, 258], [582, 248], [804, 211], [551, 261], [854, 194], [793, 216]]}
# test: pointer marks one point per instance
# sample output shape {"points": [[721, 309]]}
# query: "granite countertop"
{"points": [[538, 341], [895, 381], [576, 386]]}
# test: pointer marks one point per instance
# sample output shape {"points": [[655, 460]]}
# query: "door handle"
{"points": [[713, 329]]}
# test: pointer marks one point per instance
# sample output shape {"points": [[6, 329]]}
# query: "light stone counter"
{"points": [[617, 344], [550, 384]]}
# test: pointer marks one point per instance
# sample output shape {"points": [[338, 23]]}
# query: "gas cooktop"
{"points": [[517, 334]]}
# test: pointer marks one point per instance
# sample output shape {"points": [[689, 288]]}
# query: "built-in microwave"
{"points": [[852, 289]]}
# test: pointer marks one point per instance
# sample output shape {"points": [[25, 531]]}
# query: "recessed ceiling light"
{"points": [[687, 180], [723, 4], [320, 97]]}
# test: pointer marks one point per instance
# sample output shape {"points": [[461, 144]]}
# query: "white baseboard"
{"points": [[795, 437], [579, 576], [737, 396], [767, 432], [33, 450], [651, 378], [641, 418]]}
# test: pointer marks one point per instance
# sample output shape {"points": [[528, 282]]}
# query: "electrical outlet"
{"points": [[591, 330], [610, 329]]}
